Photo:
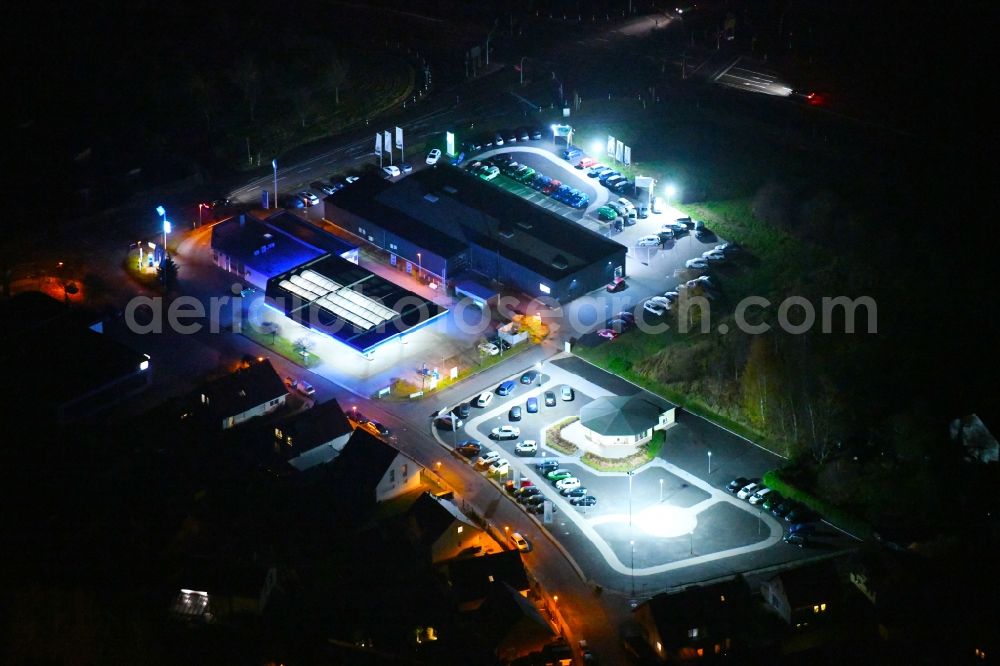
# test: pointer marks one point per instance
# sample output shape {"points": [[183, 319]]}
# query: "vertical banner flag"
{"points": [[619, 150], [611, 146], [388, 142], [450, 143], [399, 137], [378, 143], [628, 155]]}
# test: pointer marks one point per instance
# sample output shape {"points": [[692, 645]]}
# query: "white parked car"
{"points": [[305, 388], [654, 308], [658, 205], [489, 458], [391, 171], [568, 483], [518, 541], [528, 447], [760, 495], [629, 206], [352, 179], [500, 466], [434, 156], [748, 490], [308, 198], [505, 432], [660, 300], [714, 255], [485, 398], [696, 263], [648, 241], [489, 348]]}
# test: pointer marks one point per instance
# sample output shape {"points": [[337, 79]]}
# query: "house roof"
{"points": [[712, 608], [811, 584], [316, 426], [242, 390], [471, 578], [432, 516], [363, 461], [261, 245], [505, 608], [621, 415]]}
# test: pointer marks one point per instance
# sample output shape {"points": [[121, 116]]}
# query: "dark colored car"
{"points": [[473, 145], [626, 317], [800, 514], [622, 186], [514, 414], [801, 528], [501, 343], [502, 159], [506, 388], [523, 133], [586, 500], [532, 405], [546, 466], [772, 500], [535, 499], [509, 136], [469, 448], [550, 399], [799, 540], [737, 483], [607, 175], [783, 509], [497, 139], [463, 410], [524, 494], [575, 492], [529, 377], [536, 133]]}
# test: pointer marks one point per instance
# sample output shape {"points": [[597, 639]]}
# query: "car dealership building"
{"points": [[449, 227]]}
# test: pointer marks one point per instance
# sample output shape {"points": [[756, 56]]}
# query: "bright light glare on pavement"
{"points": [[665, 521]]}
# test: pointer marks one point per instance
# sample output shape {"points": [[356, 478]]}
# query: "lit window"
{"points": [[822, 607], [722, 598], [701, 652], [460, 528], [693, 633], [544, 288], [278, 433], [144, 365]]}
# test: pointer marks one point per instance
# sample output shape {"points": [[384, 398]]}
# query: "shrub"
{"points": [[553, 437], [831, 512]]}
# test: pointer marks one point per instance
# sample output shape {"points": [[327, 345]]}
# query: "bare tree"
{"points": [[204, 95], [303, 102], [247, 78], [336, 75]]}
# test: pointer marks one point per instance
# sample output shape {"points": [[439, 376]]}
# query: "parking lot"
{"points": [[673, 521]]}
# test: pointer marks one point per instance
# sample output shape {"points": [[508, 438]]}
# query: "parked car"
{"points": [[558, 474], [686, 221], [586, 500], [586, 163], [616, 285], [527, 493], [579, 491], [748, 490], [322, 187], [760, 495], [643, 211], [406, 167], [502, 159], [509, 136], [528, 447], [568, 482], [622, 186], [801, 528], [530, 377], [308, 198], [448, 422], [506, 388], [434, 156], [505, 432], [606, 214], [391, 171], [514, 414], [305, 388], [671, 296], [654, 308], [714, 256], [469, 448], [608, 333], [598, 171], [523, 133], [546, 466], [484, 399], [772, 500], [489, 173], [536, 133], [783, 509], [696, 263], [736, 484], [531, 405], [658, 205], [648, 241], [567, 393], [603, 176], [462, 410], [799, 540], [571, 153], [539, 508], [488, 459], [496, 138], [501, 466], [550, 399], [519, 542], [489, 349], [800, 514]]}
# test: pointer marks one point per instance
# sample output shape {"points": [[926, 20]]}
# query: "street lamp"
{"points": [[709, 463], [274, 165], [598, 147], [661, 490], [201, 207], [670, 191], [521, 67], [630, 498], [162, 212], [420, 264], [632, 544]]}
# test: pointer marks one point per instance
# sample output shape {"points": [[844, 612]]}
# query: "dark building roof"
{"points": [[349, 303], [811, 584], [507, 616], [50, 359], [621, 415], [472, 578], [712, 609], [304, 231], [430, 517], [316, 426], [447, 202], [265, 247], [242, 390], [361, 464]]}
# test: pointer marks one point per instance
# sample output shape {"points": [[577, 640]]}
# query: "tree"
{"points": [[336, 75], [205, 96], [166, 273], [247, 78], [303, 102], [302, 347]]}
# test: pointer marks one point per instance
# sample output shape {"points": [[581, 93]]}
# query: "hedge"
{"points": [[830, 512]]}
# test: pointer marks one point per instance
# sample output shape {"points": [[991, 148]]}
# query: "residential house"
{"points": [[213, 590], [226, 402], [694, 623], [312, 437], [369, 470], [471, 578], [511, 624], [441, 531], [805, 595]]}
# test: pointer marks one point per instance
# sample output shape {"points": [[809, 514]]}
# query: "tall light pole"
{"points": [[420, 265], [632, 544], [709, 463], [630, 498], [521, 67], [274, 165], [162, 212], [495, 23], [201, 207], [661, 490]]}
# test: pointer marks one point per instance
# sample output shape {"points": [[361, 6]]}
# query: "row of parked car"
{"points": [[504, 163], [800, 518], [501, 137]]}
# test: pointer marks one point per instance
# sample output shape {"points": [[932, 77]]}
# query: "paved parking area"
{"points": [[674, 522]]}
